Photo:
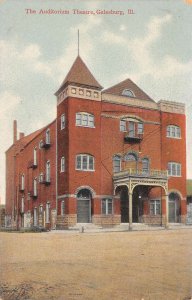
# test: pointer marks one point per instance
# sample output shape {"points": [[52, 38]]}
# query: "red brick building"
{"points": [[111, 156]]}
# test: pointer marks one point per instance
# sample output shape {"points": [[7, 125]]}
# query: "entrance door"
{"points": [[124, 206], [174, 208], [84, 206]]}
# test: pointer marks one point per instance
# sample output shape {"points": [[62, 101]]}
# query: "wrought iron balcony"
{"points": [[133, 139], [43, 179], [45, 144], [161, 174], [21, 188], [32, 164], [33, 195]]}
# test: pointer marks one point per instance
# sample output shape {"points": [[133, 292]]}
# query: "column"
{"points": [[130, 210], [167, 211]]}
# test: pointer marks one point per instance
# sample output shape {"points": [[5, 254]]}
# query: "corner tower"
{"points": [[78, 146]]}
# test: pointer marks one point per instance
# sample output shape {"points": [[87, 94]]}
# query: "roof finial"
{"points": [[78, 42]]}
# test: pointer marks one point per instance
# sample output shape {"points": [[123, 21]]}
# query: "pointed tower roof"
{"points": [[128, 84], [79, 74]]}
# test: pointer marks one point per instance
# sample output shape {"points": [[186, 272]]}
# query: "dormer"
{"points": [[79, 83]]}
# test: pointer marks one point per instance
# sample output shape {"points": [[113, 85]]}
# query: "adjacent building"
{"points": [[111, 156]]}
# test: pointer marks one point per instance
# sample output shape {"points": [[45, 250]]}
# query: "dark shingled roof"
{"points": [[130, 85], [79, 74]]}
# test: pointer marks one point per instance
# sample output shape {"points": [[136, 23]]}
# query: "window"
{"points": [[63, 208], [155, 207], [41, 209], [130, 157], [84, 119], [22, 182], [22, 205], [174, 169], [122, 125], [116, 164], [62, 164], [145, 165], [62, 121], [47, 213], [35, 156], [107, 206], [35, 187], [35, 216], [84, 162], [48, 171], [48, 138], [41, 177], [140, 128], [173, 131], [128, 93], [131, 129]]}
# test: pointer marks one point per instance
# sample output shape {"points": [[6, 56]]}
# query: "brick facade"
{"points": [[86, 187]]}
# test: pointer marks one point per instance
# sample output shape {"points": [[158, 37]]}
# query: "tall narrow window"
{"points": [[35, 216], [63, 121], [48, 170], [131, 129], [47, 213], [22, 205], [155, 207], [35, 157], [116, 164], [63, 164], [22, 182], [35, 187], [140, 128], [62, 207], [48, 137], [145, 165], [122, 125]]}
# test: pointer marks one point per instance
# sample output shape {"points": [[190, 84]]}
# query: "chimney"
{"points": [[14, 131], [21, 135]]}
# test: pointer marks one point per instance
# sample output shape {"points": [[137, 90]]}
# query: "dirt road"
{"points": [[115, 265]]}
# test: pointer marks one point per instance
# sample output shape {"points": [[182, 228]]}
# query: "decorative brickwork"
{"points": [[106, 220]]}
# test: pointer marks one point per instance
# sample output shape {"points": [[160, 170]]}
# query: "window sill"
{"points": [[81, 170], [85, 126], [173, 137]]}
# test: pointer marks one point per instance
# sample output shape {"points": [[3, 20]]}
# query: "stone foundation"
{"points": [[152, 220], [106, 220], [183, 219], [64, 222]]}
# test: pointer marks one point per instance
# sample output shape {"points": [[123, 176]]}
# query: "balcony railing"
{"points": [[32, 164], [43, 179], [137, 138], [45, 144], [33, 194], [141, 173]]}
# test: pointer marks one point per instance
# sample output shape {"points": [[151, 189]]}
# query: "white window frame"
{"points": [[140, 128], [84, 161], [62, 164], [155, 207], [35, 216], [131, 131], [116, 168], [22, 182], [47, 213], [123, 125], [85, 119], [62, 121], [48, 136], [174, 169], [105, 206], [173, 131], [35, 186], [62, 207], [35, 156], [22, 204], [48, 171]]}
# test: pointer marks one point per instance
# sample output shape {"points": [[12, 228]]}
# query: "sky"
{"points": [[152, 46]]}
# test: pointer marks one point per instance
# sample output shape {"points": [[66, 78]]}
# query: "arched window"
{"points": [[85, 162], [116, 163], [145, 165], [63, 164], [128, 93], [130, 157], [173, 131], [85, 119], [84, 194]]}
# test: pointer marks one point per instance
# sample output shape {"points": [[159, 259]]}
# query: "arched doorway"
{"points": [[174, 207], [84, 206]]}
